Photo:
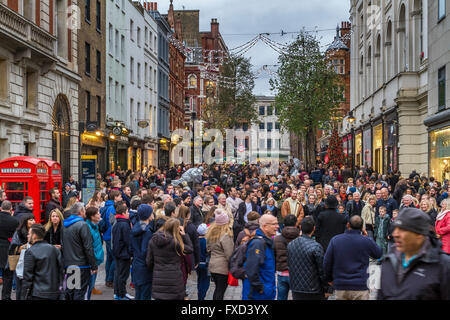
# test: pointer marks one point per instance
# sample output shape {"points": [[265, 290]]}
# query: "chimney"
{"points": [[214, 28]]}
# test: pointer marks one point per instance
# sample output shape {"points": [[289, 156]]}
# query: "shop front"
{"points": [[439, 164], [95, 144], [377, 148], [358, 150], [390, 162], [347, 144], [163, 153], [367, 147]]}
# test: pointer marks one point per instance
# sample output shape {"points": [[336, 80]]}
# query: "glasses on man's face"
{"points": [[273, 224]]}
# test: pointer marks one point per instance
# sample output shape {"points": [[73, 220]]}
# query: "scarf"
{"points": [[293, 205], [270, 207], [441, 215]]}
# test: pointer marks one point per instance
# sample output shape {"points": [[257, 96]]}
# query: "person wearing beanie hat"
{"points": [[329, 222], [219, 242], [203, 278], [140, 237], [416, 268]]}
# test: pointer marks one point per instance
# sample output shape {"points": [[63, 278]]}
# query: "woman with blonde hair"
{"points": [[368, 215], [53, 228], [219, 243], [70, 203], [426, 207], [164, 253]]}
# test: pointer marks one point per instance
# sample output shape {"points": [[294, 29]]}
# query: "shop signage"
{"points": [[117, 131], [143, 124], [41, 171], [88, 174], [16, 170]]}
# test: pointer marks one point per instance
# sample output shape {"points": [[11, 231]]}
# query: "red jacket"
{"points": [[443, 229]]}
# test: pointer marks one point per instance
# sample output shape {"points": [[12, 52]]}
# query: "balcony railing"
{"points": [[17, 27]]}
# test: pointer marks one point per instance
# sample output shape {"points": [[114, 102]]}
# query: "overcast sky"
{"points": [[241, 20]]}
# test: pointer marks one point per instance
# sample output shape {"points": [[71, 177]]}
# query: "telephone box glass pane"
{"points": [[14, 196], [15, 186], [43, 185], [43, 196]]}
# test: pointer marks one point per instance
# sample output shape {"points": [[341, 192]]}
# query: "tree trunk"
{"points": [[310, 148]]}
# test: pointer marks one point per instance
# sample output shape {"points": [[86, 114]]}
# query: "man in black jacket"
{"points": [[53, 203], [78, 253], [329, 223], [355, 206], [416, 268], [43, 271], [8, 226], [305, 263], [24, 208], [196, 212]]}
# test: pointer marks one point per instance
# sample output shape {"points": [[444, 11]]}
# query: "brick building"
{"points": [[92, 90], [39, 81]]}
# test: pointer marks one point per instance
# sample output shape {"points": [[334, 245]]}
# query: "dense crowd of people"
{"points": [[312, 233]]}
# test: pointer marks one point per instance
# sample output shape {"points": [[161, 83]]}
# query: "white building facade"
{"points": [[39, 81], [389, 85]]}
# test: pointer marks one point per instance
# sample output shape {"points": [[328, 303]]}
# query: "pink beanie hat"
{"points": [[221, 217]]}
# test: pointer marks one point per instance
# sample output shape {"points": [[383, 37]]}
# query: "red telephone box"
{"points": [[54, 175], [26, 176]]}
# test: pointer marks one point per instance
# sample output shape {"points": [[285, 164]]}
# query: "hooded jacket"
{"points": [[164, 261], [260, 269], [77, 244], [21, 212], [121, 237], [426, 278], [97, 242], [280, 244], [108, 211], [141, 235]]}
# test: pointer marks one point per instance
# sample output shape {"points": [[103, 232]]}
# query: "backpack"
{"points": [[239, 255], [103, 224]]}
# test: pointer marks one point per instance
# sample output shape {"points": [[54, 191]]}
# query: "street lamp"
{"points": [[193, 118], [351, 118]]}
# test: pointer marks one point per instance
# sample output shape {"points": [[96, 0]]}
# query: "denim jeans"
{"points": [[91, 286], [283, 287], [110, 263], [144, 291], [203, 282]]}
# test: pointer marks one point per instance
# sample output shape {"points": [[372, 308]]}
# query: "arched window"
{"points": [[369, 70], [61, 135], [361, 77], [378, 72], [389, 56], [192, 81], [418, 34], [402, 46]]}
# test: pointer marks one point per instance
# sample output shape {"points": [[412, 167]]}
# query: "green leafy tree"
{"points": [[308, 91], [235, 100]]}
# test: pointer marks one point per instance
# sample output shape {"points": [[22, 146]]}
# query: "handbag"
{"points": [[13, 259], [232, 281], [20, 263]]}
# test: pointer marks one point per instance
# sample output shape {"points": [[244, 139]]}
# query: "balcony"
{"points": [[21, 34]]}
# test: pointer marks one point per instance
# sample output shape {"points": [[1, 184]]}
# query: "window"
{"points": [[146, 74], [150, 77], [116, 53], [111, 35], [261, 126], [441, 89], [4, 81], [99, 110], [117, 95], [87, 10], [245, 126], [146, 36], [122, 95], [131, 30], [31, 82], [139, 74], [99, 66], [192, 81], [269, 144], [122, 48], [99, 16], [88, 107], [269, 126], [131, 112], [277, 126], [261, 110], [131, 70], [61, 30], [139, 37], [441, 10], [269, 110], [277, 111], [339, 66], [87, 58]]}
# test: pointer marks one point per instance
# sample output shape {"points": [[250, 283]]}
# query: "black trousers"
{"points": [[307, 296], [221, 282], [76, 288], [7, 283], [121, 274]]}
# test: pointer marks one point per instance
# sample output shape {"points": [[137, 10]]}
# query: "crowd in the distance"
{"points": [[315, 233]]}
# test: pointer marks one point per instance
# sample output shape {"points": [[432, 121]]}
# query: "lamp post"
{"points": [[193, 118]]}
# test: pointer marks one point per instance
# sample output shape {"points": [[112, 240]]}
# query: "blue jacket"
{"points": [[121, 235], [109, 209], [203, 264], [260, 268], [346, 260], [97, 242], [141, 235], [134, 219], [390, 205]]}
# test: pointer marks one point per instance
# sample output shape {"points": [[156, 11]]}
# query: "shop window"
{"points": [[440, 154]]}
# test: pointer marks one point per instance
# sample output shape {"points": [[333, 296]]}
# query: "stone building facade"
{"points": [[39, 83]]}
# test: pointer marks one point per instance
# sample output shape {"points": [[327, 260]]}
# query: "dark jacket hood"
{"points": [[139, 229], [162, 239], [290, 232]]}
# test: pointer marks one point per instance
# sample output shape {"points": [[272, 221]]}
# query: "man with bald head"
{"points": [[386, 201], [346, 261], [260, 262]]}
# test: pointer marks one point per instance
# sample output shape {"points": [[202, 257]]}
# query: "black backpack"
{"points": [[239, 256]]}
